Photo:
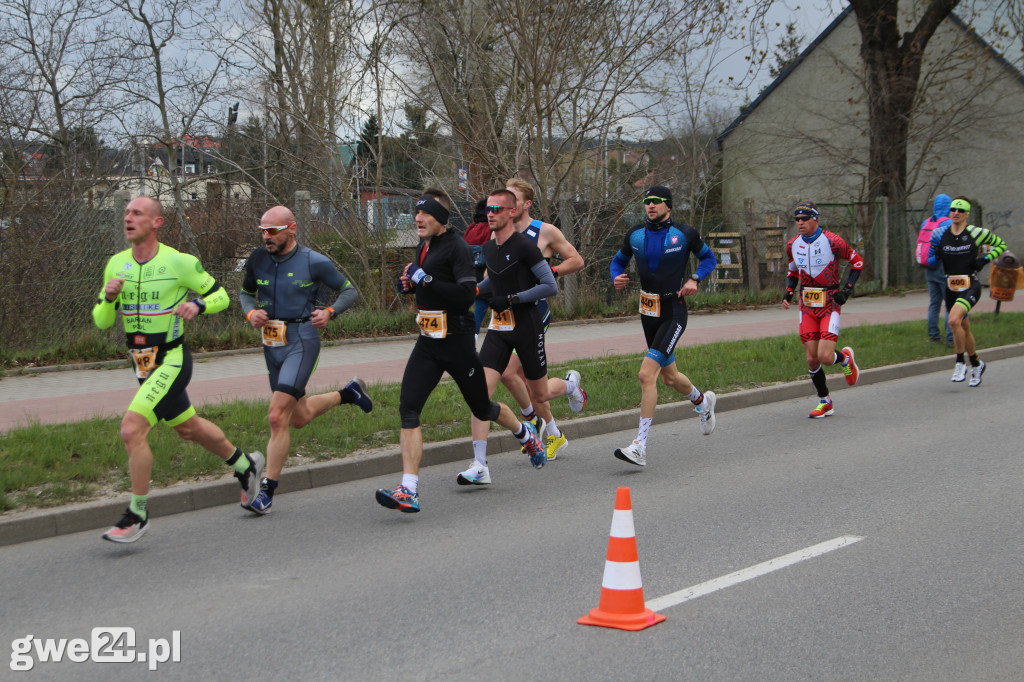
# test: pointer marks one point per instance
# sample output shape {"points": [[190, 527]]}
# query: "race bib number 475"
{"points": [[275, 333]]}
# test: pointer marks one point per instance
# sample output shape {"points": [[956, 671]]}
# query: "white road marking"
{"points": [[745, 574]]}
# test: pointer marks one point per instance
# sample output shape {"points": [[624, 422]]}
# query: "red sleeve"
{"points": [[843, 250]]}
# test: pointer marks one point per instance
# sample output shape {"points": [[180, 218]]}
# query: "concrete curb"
{"points": [[45, 523]]}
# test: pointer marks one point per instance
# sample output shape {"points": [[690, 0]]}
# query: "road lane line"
{"points": [[755, 571]]}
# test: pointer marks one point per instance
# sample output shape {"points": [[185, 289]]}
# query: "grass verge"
{"points": [[50, 465]]}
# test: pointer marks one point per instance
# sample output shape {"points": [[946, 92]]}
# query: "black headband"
{"points": [[432, 206]]}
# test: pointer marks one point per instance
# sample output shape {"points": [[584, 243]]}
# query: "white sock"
{"points": [[552, 429], [645, 430], [525, 438], [694, 395], [480, 452], [527, 411], [411, 482]]}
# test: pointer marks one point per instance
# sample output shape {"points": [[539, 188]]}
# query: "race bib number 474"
{"points": [[433, 323]]}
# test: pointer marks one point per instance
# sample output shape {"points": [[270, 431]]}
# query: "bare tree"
{"points": [[177, 70], [61, 62]]}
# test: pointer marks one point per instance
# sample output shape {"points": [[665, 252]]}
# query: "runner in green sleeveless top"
{"points": [[149, 284]]}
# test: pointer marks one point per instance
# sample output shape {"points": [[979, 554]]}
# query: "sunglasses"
{"points": [[802, 218], [958, 210], [654, 200], [496, 209], [274, 230]]}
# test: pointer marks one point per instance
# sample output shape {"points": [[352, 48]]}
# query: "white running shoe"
{"points": [[959, 371], [130, 528], [477, 474], [577, 397], [706, 412], [634, 454], [976, 373]]}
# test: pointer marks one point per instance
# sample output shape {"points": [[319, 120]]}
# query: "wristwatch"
{"points": [[695, 278], [427, 279], [200, 303]]}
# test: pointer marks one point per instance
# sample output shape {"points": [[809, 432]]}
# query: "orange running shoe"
{"points": [[850, 369], [824, 409]]}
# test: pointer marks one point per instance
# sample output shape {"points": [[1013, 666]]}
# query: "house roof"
{"points": [[782, 76], [957, 21]]}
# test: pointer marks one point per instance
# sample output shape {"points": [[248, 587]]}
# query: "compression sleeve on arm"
{"points": [[248, 302], [547, 286], [346, 298], [619, 264], [485, 287]]}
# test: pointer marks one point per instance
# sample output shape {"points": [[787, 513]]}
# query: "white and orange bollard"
{"points": [[622, 592]]}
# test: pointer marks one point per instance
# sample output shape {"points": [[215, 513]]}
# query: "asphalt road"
{"points": [[487, 583]]}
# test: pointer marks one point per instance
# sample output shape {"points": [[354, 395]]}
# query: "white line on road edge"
{"points": [[756, 571]]}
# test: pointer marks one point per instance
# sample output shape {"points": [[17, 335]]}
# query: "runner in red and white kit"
{"points": [[814, 256]]}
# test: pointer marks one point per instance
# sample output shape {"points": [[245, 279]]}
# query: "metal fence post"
{"points": [[753, 267], [567, 286], [884, 250], [121, 199], [303, 211]]}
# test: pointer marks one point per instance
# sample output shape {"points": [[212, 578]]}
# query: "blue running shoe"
{"points": [[535, 448], [264, 498], [401, 498], [356, 390], [539, 425]]}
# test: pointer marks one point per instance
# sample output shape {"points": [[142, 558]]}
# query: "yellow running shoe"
{"points": [[554, 445]]}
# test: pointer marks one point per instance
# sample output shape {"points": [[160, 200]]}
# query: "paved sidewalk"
{"points": [[75, 395]]}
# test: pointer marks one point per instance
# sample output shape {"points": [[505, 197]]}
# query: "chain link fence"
{"points": [[52, 253]]}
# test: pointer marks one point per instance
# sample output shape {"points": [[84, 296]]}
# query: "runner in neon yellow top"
{"points": [[149, 283], [151, 293]]}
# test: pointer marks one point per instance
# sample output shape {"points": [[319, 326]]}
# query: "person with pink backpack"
{"points": [[935, 276]]}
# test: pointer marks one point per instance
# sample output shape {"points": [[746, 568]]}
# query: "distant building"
{"points": [[806, 135]]}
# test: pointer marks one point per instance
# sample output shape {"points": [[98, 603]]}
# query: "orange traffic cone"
{"points": [[622, 594]]}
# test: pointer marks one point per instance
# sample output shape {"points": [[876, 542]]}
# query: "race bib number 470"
{"points": [[814, 297]]}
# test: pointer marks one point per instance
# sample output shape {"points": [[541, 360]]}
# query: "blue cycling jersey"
{"points": [[662, 252]]}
